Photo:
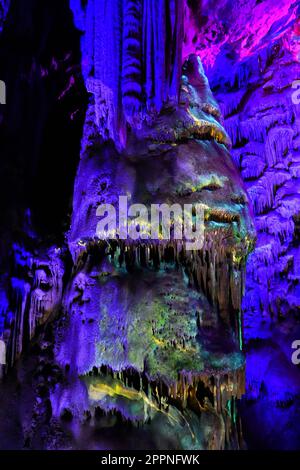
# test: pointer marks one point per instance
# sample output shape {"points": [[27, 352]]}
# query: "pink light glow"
{"points": [[245, 26]]}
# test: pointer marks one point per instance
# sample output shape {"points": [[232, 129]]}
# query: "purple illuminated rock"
{"points": [[147, 345], [153, 331]]}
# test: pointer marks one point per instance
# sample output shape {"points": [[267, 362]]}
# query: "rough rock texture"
{"points": [[251, 65], [125, 65], [161, 326], [132, 338], [64, 392]]}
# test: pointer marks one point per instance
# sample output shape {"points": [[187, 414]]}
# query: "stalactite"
{"points": [[132, 74], [20, 297], [125, 68], [263, 191], [278, 143]]}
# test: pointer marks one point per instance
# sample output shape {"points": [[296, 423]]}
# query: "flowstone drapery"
{"points": [[137, 344]]}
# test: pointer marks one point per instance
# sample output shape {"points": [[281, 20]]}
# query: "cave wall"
{"points": [[253, 82], [33, 284], [250, 52], [125, 66]]}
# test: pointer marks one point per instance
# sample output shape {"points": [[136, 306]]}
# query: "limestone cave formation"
{"points": [[125, 344]]}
